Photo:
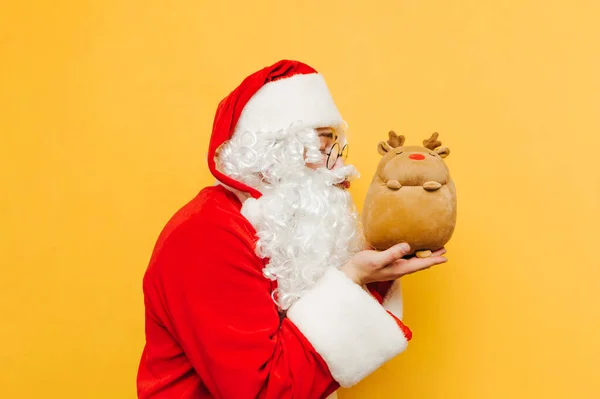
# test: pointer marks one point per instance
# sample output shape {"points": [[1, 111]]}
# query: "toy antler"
{"points": [[395, 140], [432, 143]]}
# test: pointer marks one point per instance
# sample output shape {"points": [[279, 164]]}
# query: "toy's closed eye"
{"points": [[398, 153], [432, 154]]}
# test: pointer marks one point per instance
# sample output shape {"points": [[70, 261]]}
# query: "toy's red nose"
{"points": [[418, 157]]}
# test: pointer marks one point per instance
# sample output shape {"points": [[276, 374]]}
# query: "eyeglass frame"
{"points": [[340, 153]]}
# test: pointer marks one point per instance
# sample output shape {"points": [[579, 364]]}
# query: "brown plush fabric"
{"points": [[412, 197]]}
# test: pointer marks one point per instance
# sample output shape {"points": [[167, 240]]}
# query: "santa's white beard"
{"points": [[304, 223], [303, 227]]}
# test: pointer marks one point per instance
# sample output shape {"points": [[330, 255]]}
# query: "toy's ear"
{"points": [[383, 147], [442, 151]]}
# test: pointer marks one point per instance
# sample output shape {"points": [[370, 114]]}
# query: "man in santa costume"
{"points": [[261, 286]]}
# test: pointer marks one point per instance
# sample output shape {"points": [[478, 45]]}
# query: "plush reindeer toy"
{"points": [[411, 198]]}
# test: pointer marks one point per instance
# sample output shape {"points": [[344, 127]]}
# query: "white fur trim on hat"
{"points": [[300, 100], [353, 333]]}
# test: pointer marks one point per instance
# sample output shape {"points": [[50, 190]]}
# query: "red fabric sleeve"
{"points": [[378, 291], [217, 306]]}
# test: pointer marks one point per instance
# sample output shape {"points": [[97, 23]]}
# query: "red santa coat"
{"points": [[213, 331]]}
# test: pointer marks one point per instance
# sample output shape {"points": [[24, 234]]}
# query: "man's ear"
{"points": [[442, 151], [383, 147]]}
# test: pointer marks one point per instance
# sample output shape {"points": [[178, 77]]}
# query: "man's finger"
{"points": [[439, 252], [413, 265]]}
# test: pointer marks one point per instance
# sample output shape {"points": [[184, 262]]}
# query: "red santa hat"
{"points": [[273, 98]]}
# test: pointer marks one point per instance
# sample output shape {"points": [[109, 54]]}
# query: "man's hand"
{"points": [[371, 266]]}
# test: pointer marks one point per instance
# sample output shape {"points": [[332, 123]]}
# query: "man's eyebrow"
{"points": [[328, 135]]}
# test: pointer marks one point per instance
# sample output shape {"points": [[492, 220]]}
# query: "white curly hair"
{"points": [[304, 222]]}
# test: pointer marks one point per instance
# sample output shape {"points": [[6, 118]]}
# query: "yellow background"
{"points": [[105, 114]]}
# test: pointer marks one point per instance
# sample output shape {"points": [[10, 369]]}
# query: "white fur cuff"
{"points": [[393, 300], [353, 333]]}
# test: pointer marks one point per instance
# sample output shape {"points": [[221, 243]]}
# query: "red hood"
{"points": [[230, 109]]}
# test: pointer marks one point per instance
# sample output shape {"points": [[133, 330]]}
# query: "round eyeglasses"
{"points": [[334, 153]]}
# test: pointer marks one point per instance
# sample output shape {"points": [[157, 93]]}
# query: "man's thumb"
{"points": [[394, 253]]}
